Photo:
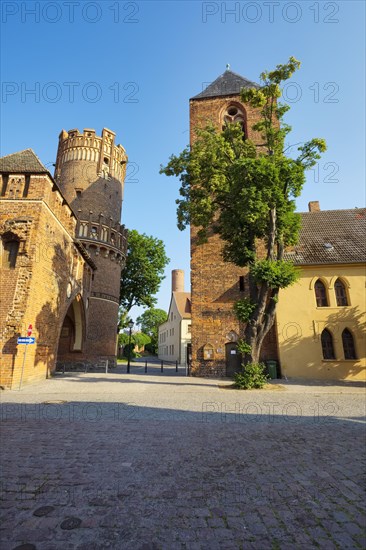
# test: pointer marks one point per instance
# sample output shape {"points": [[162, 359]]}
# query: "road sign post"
{"points": [[25, 340]]}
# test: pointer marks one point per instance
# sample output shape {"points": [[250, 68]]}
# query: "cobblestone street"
{"points": [[150, 461]]}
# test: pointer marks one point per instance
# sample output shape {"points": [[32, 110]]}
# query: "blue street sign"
{"points": [[26, 340]]}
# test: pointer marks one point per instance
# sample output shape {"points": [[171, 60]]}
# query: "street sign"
{"points": [[29, 331], [26, 340]]}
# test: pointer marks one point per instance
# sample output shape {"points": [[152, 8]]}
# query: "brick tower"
{"points": [[90, 171], [215, 284]]}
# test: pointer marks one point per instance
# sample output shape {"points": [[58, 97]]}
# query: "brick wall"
{"points": [[215, 283], [35, 290]]}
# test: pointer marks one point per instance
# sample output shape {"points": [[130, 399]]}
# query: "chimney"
{"points": [[314, 206], [177, 280]]}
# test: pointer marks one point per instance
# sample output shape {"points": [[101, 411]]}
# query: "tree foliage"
{"points": [[143, 273], [245, 191], [149, 322], [137, 339]]}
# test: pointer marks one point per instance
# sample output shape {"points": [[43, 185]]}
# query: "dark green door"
{"points": [[233, 359]]}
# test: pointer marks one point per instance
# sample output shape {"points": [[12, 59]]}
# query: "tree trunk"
{"points": [[260, 323]]}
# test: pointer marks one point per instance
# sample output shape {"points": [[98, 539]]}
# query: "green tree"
{"points": [[149, 322], [137, 338], [143, 273], [245, 192]]}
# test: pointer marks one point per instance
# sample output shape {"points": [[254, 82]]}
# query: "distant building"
{"points": [[175, 333]]}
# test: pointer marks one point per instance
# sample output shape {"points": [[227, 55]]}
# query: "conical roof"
{"points": [[229, 83], [22, 162]]}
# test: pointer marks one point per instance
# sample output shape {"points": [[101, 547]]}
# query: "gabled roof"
{"points": [[331, 237], [183, 302], [229, 83], [22, 162]]}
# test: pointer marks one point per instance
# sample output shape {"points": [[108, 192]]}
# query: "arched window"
{"points": [[327, 345], [320, 294], [348, 345], [235, 114], [340, 292], [9, 251]]}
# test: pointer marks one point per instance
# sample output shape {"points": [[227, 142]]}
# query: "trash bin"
{"points": [[272, 369]]}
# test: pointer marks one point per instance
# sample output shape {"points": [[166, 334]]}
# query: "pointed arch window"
{"points": [[327, 345], [348, 345], [341, 293], [235, 114], [321, 294]]}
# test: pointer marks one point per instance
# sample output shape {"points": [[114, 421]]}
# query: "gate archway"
{"points": [[72, 330]]}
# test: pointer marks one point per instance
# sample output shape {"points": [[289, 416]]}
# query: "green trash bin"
{"points": [[272, 369]]}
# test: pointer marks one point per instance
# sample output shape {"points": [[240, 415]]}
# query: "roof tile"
{"points": [[22, 162], [345, 230], [183, 301], [229, 83]]}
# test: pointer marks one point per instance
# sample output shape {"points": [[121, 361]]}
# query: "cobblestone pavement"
{"points": [[149, 461]]}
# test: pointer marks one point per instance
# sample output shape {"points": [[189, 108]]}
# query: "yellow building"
{"points": [[321, 319]]}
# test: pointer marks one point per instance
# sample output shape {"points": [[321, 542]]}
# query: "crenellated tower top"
{"points": [[110, 159], [90, 172]]}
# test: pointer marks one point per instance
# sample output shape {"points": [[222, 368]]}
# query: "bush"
{"points": [[252, 376]]}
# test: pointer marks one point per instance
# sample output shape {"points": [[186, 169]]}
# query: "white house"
{"points": [[175, 333]]}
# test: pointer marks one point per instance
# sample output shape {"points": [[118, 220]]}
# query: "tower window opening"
{"points": [[232, 111], [9, 252], [106, 160], [234, 114]]}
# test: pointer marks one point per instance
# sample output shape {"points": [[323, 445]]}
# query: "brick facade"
{"points": [[215, 284], [66, 277]]}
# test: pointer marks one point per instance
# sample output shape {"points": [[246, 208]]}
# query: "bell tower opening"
{"points": [[235, 114]]}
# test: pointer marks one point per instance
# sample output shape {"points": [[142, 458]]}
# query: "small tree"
{"points": [[143, 273], [245, 192], [149, 322]]}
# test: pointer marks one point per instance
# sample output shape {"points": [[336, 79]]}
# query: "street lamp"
{"points": [[130, 326]]}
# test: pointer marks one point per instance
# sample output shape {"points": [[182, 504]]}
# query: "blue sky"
{"points": [[132, 67]]}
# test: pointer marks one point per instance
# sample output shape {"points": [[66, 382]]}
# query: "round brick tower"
{"points": [[177, 280], [90, 171]]}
